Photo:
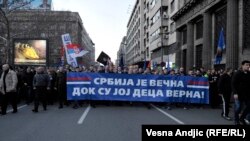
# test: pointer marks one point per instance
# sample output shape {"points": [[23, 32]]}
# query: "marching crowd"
{"points": [[47, 86]]}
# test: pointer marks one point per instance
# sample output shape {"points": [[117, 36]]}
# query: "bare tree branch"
{"points": [[4, 13], [18, 6]]}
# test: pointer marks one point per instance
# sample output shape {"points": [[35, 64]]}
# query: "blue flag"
{"points": [[221, 46]]}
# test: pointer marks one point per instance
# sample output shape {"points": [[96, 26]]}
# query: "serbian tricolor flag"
{"points": [[75, 50], [198, 84], [76, 79]]}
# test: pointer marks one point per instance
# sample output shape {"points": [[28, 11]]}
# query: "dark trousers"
{"points": [[213, 96], [62, 96], [246, 110], [226, 103], [28, 94], [40, 96], [6, 98], [239, 105], [51, 96]]}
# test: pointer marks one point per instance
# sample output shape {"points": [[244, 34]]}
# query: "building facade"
{"points": [[50, 25], [198, 26], [162, 31], [121, 54], [134, 29], [151, 33]]}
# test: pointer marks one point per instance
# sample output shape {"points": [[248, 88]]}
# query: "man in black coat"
{"points": [[28, 85], [61, 86], [241, 91], [225, 90]]}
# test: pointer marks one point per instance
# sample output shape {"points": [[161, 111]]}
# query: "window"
{"points": [[172, 6], [155, 35], [198, 60], [199, 29], [153, 2], [156, 17], [184, 59], [184, 37]]}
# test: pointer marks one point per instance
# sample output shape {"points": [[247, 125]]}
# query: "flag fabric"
{"points": [[66, 41], [75, 50], [103, 58], [221, 46], [71, 60]]}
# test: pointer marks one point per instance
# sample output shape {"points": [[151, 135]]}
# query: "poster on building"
{"points": [[30, 52]]}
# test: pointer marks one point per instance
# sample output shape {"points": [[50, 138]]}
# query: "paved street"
{"points": [[111, 123]]}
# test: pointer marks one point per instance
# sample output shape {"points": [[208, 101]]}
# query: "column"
{"points": [[178, 51], [232, 34], [190, 45], [207, 41]]}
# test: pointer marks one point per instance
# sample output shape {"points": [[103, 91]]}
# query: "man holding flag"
{"points": [[221, 46]]}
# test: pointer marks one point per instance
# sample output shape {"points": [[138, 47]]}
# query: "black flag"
{"points": [[103, 58]]}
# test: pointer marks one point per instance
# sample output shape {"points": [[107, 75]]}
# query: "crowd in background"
{"points": [[48, 86]]}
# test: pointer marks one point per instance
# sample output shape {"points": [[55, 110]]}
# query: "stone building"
{"points": [[50, 25], [198, 24]]}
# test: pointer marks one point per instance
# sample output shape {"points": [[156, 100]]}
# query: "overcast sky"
{"points": [[105, 21]]}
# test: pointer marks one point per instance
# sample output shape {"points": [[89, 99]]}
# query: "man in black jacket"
{"points": [[241, 91], [28, 85], [61, 87], [225, 90]]}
